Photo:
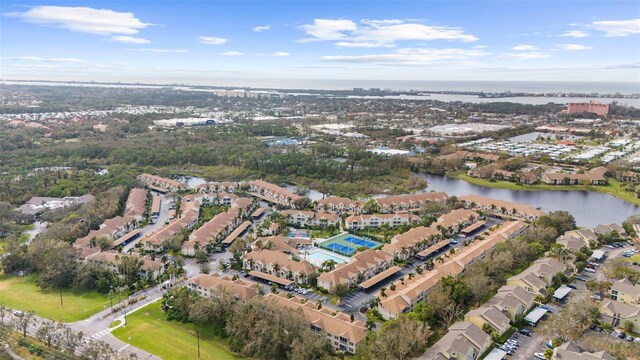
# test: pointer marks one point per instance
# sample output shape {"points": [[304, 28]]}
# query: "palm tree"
{"points": [[411, 275], [419, 269], [383, 291], [329, 265]]}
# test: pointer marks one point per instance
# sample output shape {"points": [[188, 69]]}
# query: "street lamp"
{"points": [[111, 298]]}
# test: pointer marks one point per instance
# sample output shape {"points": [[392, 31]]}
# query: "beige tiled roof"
{"points": [[456, 217], [485, 201], [106, 229], [270, 257], [279, 243], [135, 202], [113, 257], [490, 314], [274, 189], [359, 263], [569, 351], [412, 198], [336, 325], [160, 180], [617, 307], [242, 289]]}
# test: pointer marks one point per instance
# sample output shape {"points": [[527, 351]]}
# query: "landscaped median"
{"points": [[614, 188], [148, 329], [22, 293]]}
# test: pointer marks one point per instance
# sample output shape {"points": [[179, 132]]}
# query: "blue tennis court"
{"points": [[342, 249], [360, 242]]}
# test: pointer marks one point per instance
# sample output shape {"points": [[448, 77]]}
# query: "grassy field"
{"points": [[148, 330], [22, 293], [615, 188]]}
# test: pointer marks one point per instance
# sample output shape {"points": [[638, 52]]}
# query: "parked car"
{"points": [[590, 270], [549, 344], [526, 332], [539, 356], [572, 285], [622, 335], [582, 278], [18, 313], [596, 297], [629, 338]]}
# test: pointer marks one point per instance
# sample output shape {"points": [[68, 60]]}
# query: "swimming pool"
{"points": [[347, 244], [317, 256]]}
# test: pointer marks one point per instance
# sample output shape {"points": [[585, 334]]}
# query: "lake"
{"points": [[590, 208]]}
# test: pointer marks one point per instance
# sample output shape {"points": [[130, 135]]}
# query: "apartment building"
{"points": [[501, 208], [618, 314], [570, 351], [218, 187], [278, 264], [311, 218], [537, 277], [135, 205], [161, 184], [513, 301], [454, 221], [409, 202], [413, 241], [337, 327], [406, 294], [491, 315], [625, 291], [188, 218], [210, 285], [357, 222], [595, 176], [340, 205], [272, 193], [114, 229], [464, 341], [361, 267], [280, 243], [149, 268]]}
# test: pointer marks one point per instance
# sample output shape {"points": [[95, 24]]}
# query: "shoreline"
{"points": [[507, 185]]}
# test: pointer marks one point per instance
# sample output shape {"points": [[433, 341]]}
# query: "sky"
{"points": [[258, 42]]}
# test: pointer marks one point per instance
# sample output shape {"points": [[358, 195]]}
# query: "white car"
{"points": [[539, 356], [589, 270]]}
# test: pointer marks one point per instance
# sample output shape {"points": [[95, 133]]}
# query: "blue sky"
{"points": [[209, 42]]}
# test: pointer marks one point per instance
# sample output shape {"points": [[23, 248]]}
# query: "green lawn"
{"points": [[22, 293], [615, 188], [148, 330]]}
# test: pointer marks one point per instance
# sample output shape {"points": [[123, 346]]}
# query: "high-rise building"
{"points": [[591, 107]]}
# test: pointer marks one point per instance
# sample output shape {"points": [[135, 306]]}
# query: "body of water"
{"points": [[516, 99], [590, 208]]}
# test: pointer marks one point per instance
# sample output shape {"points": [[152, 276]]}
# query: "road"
{"points": [[97, 326]]}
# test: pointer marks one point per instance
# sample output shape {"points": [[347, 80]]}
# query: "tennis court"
{"points": [[347, 244], [342, 249]]}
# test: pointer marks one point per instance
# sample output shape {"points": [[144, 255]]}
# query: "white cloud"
{"points": [[43, 59], [262, 28], [327, 29], [362, 45], [575, 34], [411, 56], [83, 19], [130, 40], [527, 55], [212, 40], [159, 50], [618, 28], [480, 47], [379, 33], [276, 54], [573, 47], [232, 53], [524, 48]]}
